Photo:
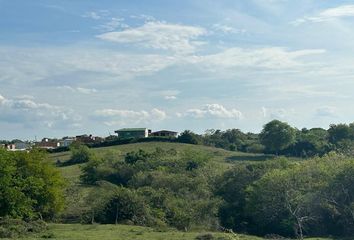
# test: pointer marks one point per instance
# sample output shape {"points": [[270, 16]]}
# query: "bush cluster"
{"points": [[14, 228], [160, 188]]}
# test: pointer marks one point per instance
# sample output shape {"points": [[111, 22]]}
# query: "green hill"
{"points": [[222, 156], [125, 232]]}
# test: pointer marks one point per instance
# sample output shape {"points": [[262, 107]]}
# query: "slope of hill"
{"points": [[77, 191], [125, 232], [219, 155]]}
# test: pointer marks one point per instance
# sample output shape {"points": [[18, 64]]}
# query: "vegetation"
{"points": [[206, 188], [279, 138], [157, 188], [126, 232], [30, 188], [188, 187]]}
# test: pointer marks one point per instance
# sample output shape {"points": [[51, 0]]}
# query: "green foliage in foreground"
{"points": [[314, 197], [125, 232], [30, 188], [14, 228]]}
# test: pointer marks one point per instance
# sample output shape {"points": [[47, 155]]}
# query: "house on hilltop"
{"points": [[47, 143], [88, 139], [133, 132], [66, 141], [164, 133], [18, 146]]}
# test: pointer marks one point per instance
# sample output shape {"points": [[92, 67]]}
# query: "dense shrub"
{"points": [[189, 137], [80, 153], [14, 228], [125, 205], [160, 188], [205, 236]]}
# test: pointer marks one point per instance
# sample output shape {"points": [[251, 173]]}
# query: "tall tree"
{"points": [[277, 135]]}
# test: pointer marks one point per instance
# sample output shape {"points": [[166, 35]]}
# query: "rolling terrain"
{"points": [[78, 191]]}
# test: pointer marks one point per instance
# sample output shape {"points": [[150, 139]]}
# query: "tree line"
{"points": [[277, 138]]}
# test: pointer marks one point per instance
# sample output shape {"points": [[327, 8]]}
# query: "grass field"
{"points": [[125, 232], [222, 156], [217, 153]]}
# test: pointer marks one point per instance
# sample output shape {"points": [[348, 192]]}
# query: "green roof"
{"points": [[131, 130]]}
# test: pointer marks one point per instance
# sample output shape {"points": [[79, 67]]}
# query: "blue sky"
{"points": [[83, 66]]}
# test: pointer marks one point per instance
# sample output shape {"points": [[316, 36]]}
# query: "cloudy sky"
{"points": [[72, 67]]}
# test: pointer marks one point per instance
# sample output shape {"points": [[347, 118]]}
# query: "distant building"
{"points": [[133, 132], [88, 139], [164, 133], [85, 138], [17, 146], [21, 146], [47, 143], [10, 147], [66, 141]]}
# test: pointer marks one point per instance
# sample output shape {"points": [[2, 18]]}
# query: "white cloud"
{"points": [[170, 97], [144, 17], [159, 35], [115, 117], [328, 15], [268, 58], [113, 24], [264, 112], [92, 15], [326, 111], [29, 113], [276, 113], [158, 115], [25, 97], [214, 111], [78, 89], [301, 90], [96, 15], [28, 64], [227, 29], [2, 99], [86, 90], [169, 94]]}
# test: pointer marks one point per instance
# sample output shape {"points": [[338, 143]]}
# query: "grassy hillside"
{"points": [[125, 232], [77, 192], [219, 155]]}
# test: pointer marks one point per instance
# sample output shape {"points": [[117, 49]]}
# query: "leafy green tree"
{"points": [[29, 186], [80, 153], [277, 135], [125, 205], [189, 137], [309, 143], [339, 132], [338, 201]]}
